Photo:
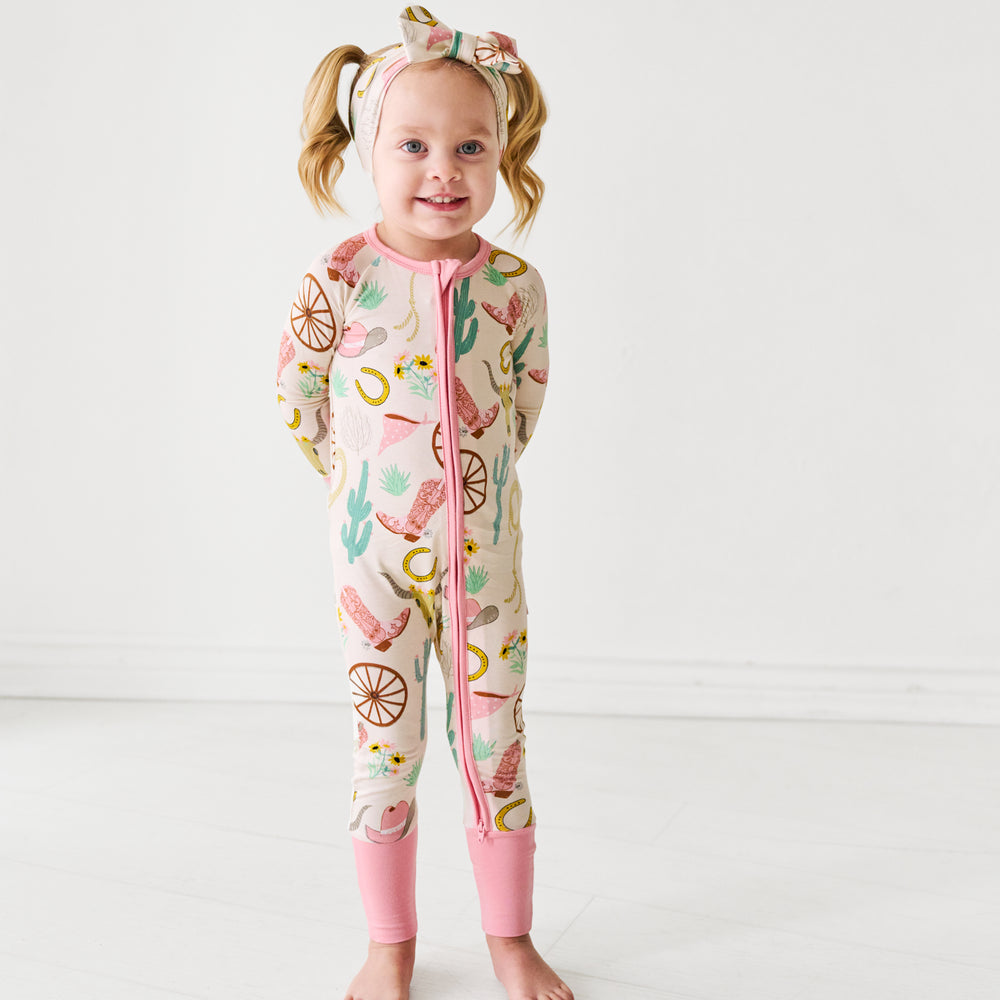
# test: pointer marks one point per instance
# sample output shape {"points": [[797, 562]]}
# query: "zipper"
{"points": [[443, 272]]}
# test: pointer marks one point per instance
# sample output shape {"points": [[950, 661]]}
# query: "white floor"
{"points": [[151, 850]]}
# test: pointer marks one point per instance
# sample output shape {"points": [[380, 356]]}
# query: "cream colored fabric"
{"points": [[359, 383]]}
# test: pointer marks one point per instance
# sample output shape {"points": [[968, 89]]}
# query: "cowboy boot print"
{"points": [[379, 634], [506, 774], [430, 496], [475, 419]]}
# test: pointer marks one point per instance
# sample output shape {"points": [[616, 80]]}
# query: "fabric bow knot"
{"points": [[492, 56], [424, 38]]}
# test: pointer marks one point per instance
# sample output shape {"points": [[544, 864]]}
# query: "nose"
{"points": [[443, 166]]}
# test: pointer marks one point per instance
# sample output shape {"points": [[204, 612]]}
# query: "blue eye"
{"points": [[469, 148], [412, 146]]}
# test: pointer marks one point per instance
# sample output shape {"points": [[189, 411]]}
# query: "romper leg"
{"points": [[503, 864], [492, 677], [386, 647], [387, 878]]}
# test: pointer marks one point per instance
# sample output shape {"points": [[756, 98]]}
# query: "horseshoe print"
{"points": [[521, 265], [296, 420], [378, 400], [414, 576], [426, 16], [484, 662], [499, 820], [508, 346]]}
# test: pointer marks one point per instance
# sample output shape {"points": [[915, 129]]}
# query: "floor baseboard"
{"points": [[155, 670]]}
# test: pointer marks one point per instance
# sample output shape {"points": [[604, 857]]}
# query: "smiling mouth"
{"points": [[443, 203]]}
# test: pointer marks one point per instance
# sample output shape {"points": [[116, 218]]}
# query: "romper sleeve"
{"points": [[311, 332], [531, 363]]}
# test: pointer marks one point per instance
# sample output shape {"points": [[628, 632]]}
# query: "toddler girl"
{"points": [[411, 370]]}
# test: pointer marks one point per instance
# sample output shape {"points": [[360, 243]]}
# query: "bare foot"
{"points": [[386, 974], [525, 975]]}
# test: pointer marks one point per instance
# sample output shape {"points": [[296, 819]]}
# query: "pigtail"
{"points": [[323, 132], [528, 115]]}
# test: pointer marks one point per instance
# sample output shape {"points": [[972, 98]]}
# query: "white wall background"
{"points": [[772, 435]]}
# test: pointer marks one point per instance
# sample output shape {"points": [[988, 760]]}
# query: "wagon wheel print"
{"points": [[312, 318], [519, 714], [379, 693], [437, 445], [474, 477]]}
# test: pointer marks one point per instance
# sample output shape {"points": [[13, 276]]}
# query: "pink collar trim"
{"points": [[424, 266]]}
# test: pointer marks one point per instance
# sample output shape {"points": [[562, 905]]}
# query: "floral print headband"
{"points": [[426, 38]]}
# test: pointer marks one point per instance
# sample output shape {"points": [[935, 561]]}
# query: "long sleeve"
{"points": [[311, 332], [531, 364]]}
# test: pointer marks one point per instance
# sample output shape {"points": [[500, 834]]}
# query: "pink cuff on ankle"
{"points": [[387, 875], [503, 864]]}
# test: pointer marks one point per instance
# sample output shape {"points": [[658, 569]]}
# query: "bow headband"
{"points": [[426, 38]]}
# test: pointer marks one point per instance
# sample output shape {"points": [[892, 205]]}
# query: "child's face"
{"points": [[437, 137]]}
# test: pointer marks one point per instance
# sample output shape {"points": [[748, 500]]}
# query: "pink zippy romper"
{"points": [[413, 387]]}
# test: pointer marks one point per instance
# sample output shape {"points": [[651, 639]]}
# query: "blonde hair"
{"points": [[527, 114], [325, 135], [323, 132]]}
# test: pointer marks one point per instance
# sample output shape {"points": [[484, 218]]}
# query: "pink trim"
{"points": [[391, 72], [427, 266], [444, 273], [504, 867], [387, 875]]}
